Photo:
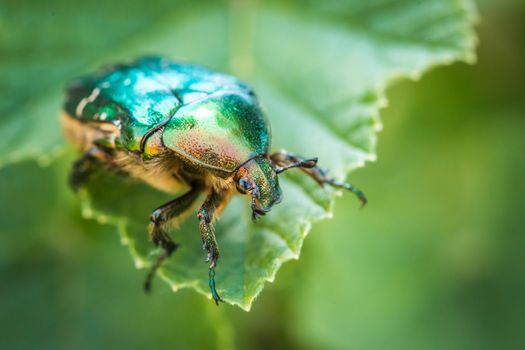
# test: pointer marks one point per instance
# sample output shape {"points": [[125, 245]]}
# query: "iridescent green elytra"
{"points": [[177, 126]]}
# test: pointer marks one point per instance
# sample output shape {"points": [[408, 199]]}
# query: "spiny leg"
{"points": [[207, 213], [85, 165], [287, 160], [159, 236]]}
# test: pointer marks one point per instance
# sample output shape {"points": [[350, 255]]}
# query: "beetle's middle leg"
{"points": [[209, 210], [286, 160], [159, 236]]}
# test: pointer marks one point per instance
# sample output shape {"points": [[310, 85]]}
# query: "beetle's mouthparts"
{"points": [[257, 208]]}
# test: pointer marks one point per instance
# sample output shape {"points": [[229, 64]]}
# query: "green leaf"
{"points": [[43, 45], [69, 283], [320, 70]]}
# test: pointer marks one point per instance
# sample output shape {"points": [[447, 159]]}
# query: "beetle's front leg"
{"points": [[206, 215], [287, 160], [159, 236]]}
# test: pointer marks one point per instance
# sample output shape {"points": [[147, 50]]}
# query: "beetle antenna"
{"points": [[308, 164]]}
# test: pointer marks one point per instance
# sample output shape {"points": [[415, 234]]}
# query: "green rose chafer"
{"points": [[180, 126]]}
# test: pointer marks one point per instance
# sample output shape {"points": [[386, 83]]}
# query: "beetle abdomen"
{"points": [[158, 172]]}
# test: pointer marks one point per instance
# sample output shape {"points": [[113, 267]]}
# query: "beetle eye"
{"points": [[244, 185]]}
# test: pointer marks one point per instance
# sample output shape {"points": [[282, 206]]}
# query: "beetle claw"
{"points": [[216, 297]]}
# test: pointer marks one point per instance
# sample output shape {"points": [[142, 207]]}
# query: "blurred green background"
{"points": [[435, 261]]}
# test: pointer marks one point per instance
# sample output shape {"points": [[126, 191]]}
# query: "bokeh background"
{"points": [[435, 261]]}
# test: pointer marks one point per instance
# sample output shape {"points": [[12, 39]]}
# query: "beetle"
{"points": [[177, 126]]}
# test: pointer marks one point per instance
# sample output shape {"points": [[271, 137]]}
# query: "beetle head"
{"points": [[259, 178]]}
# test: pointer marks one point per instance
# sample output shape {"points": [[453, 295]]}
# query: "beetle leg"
{"points": [[85, 166], [286, 160], [158, 234], [206, 215]]}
